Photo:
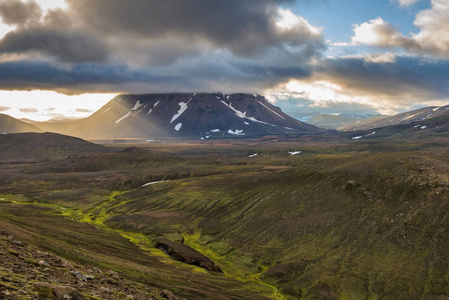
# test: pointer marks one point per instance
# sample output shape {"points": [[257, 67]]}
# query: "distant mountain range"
{"points": [[193, 115], [337, 121], [398, 119], [11, 125], [417, 124]]}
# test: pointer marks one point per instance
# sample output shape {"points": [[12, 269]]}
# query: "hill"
{"points": [[196, 115], [43, 146], [9, 124]]}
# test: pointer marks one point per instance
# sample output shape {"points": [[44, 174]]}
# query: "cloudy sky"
{"points": [[68, 58]]}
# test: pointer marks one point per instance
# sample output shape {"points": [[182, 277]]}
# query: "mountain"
{"points": [[399, 119], [184, 115], [335, 121], [9, 124], [43, 146]]}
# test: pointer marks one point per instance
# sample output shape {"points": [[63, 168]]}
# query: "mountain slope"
{"points": [[399, 119], [185, 115], [9, 124]]}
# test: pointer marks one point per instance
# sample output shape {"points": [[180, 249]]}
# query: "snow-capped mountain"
{"points": [[195, 115]]}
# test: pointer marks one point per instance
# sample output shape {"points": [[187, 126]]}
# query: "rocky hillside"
{"points": [[201, 116], [28, 273]]}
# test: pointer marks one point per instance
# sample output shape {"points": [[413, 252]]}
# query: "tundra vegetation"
{"points": [[342, 219]]}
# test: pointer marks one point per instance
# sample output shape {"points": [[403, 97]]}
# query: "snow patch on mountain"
{"points": [[271, 110], [242, 115], [178, 126], [107, 110], [183, 108], [236, 132], [124, 117], [137, 105]]}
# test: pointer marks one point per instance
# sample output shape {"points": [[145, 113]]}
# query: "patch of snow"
{"points": [[202, 138], [255, 95], [137, 105], [246, 123], [423, 127], [435, 109], [151, 140], [237, 112], [288, 128], [409, 117], [207, 136], [357, 137], [215, 130], [194, 95], [155, 104], [124, 117], [253, 155], [149, 112], [154, 182], [178, 126], [242, 115], [258, 121], [372, 133], [227, 97], [4, 133], [271, 110], [294, 152], [217, 97], [137, 113], [236, 132], [429, 115], [416, 126], [107, 109], [183, 108]]}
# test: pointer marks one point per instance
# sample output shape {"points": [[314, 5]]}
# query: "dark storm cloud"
{"points": [[14, 12], [30, 75], [206, 76], [182, 45], [71, 45], [406, 75], [243, 26]]}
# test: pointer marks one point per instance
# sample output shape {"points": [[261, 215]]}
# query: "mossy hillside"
{"points": [[105, 249], [312, 217], [344, 222]]}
